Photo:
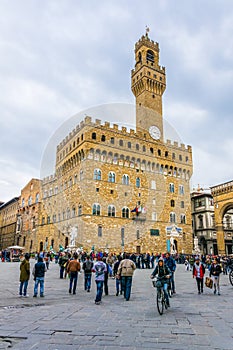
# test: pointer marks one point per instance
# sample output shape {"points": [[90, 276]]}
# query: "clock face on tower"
{"points": [[155, 132]]}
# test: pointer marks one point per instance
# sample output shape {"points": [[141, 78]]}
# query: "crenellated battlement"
{"points": [[108, 126], [48, 179], [145, 40]]}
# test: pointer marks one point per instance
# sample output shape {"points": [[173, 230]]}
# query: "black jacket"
{"points": [[40, 269]]}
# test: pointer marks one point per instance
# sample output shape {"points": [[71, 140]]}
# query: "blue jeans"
{"points": [[118, 285], [166, 293], [126, 282], [73, 280], [87, 281], [39, 280], [23, 288], [172, 282], [99, 291]]}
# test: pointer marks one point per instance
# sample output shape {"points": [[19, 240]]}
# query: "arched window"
{"points": [[68, 213], [81, 175], [75, 178], [172, 203], [96, 209], [97, 174], [79, 210], [150, 56], [125, 212], [172, 217], [22, 202], [93, 136], [30, 200], [103, 138], [111, 210], [37, 197], [125, 179], [182, 219], [111, 176], [73, 212], [138, 182], [171, 188]]}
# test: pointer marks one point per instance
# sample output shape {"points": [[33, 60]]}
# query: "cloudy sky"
{"points": [[60, 58]]}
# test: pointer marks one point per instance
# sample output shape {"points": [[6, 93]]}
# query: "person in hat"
{"points": [[24, 276], [199, 272], [164, 274]]}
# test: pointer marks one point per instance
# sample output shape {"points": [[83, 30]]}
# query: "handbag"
{"points": [[209, 282]]}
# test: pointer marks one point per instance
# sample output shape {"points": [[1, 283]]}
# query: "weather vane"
{"points": [[147, 30]]}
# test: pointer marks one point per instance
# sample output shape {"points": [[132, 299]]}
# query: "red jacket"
{"points": [[202, 270]]}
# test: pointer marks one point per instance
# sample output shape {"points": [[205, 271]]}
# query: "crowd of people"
{"points": [[120, 267]]}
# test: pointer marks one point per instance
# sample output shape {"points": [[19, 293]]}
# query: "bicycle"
{"points": [[160, 298], [231, 274]]}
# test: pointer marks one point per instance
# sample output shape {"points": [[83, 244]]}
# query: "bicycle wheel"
{"points": [[231, 277], [169, 290], [160, 301]]}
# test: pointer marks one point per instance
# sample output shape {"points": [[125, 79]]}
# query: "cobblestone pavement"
{"points": [[63, 322]]}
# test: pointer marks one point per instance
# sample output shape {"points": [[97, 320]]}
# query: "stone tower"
{"points": [[148, 83]]}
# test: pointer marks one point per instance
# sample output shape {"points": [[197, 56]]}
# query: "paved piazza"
{"points": [[63, 322]]}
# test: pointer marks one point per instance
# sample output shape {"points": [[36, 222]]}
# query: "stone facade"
{"points": [[113, 188], [8, 222], [104, 172], [28, 226], [223, 209]]}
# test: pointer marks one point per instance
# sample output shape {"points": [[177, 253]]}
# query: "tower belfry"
{"points": [[148, 83]]}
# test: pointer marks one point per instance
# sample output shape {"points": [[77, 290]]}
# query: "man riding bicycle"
{"points": [[163, 273]]}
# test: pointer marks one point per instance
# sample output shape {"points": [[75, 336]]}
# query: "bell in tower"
{"points": [[148, 83]]}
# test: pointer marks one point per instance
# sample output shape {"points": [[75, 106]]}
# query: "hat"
{"points": [[160, 259], [197, 258]]}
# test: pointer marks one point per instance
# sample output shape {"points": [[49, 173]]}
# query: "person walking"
{"points": [[215, 271], [24, 276], [39, 274], [87, 268], [100, 269], [198, 272], [125, 271], [118, 280], [73, 269]]}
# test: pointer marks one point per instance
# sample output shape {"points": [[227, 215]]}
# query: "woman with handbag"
{"points": [[215, 270]]}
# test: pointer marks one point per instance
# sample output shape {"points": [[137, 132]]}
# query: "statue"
{"points": [[73, 235], [173, 246]]}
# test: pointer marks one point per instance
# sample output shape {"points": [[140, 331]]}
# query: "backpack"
{"points": [[88, 266]]}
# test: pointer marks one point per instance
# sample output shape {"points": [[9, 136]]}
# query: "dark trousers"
{"points": [[199, 284], [73, 281]]}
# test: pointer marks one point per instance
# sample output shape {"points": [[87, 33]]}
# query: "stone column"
{"points": [[220, 239]]}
